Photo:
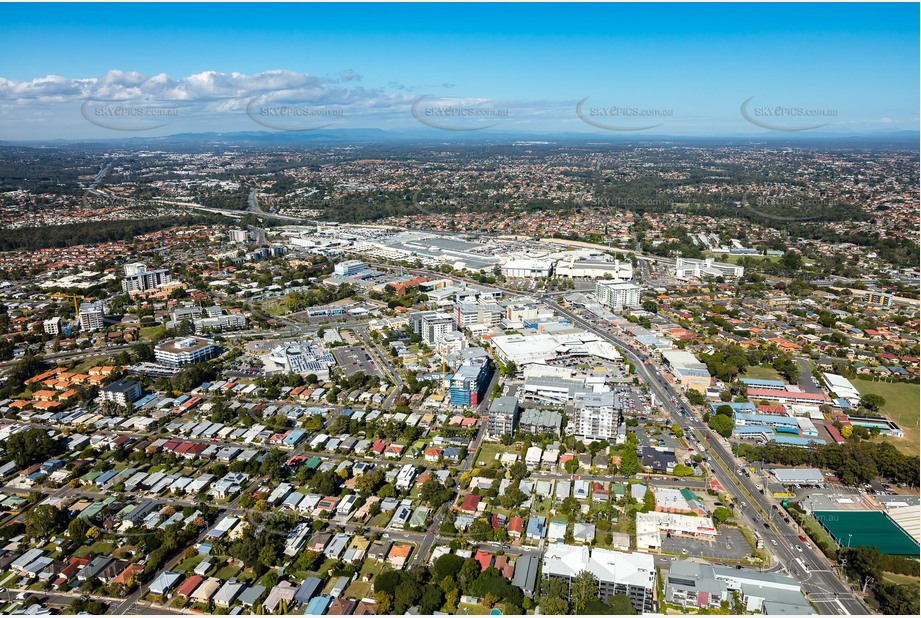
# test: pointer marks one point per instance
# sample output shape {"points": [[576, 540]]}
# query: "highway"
{"points": [[821, 585]]}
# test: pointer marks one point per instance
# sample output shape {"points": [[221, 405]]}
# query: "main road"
{"points": [[820, 583]]}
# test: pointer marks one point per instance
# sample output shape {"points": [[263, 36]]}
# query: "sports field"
{"points": [[867, 528], [902, 406]]}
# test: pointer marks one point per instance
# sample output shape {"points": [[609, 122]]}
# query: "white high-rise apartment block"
{"points": [[617, 295]]}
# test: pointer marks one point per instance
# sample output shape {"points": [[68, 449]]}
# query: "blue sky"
{"points": [[111, 70]]}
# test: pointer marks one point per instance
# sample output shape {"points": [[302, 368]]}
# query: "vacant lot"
{"points": [[759, 372], [902, 402]]}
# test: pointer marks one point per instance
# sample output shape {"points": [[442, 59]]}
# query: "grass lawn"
{"points": [[151, 332], [100, 548], [734, 259], [467, 608], [895, 578], [902, 403], [188, 565], [227, 572], [818, 534], [489, 451], [91, 362], [759, 372], [359, 590]]}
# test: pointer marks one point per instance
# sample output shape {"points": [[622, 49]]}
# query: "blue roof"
{"points": [[736, 406], [536, 527], [294, 437], [318, 605], [766, 419], [144, 400], [753, 429], [841, 403], [797, 441], [105, 476]]}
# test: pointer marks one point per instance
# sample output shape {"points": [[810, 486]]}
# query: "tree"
{"points": [[629, 463], [584, 591], [695, 397], [872, 401], [447, 565], [31, 446], [722, 425], [721, 514], [45, 520], [432, 599], [77, 529], [571, 465], [649, 501], [384, 602], [513, 497], [621, 605]]}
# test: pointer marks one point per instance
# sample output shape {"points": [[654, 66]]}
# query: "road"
{"points": [[821, 585]]}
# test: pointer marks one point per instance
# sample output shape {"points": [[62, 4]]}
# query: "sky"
{"points": [[76, 71]]}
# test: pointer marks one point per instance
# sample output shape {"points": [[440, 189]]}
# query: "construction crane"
{"points": [[73, 296]]}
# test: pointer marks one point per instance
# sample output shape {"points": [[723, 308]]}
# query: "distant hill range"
{"points": [[379, 136]]}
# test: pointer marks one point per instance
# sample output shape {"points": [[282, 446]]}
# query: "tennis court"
{"points": [[867, 528]]}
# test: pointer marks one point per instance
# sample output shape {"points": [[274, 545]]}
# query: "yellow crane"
{"points": [[73, 296]]}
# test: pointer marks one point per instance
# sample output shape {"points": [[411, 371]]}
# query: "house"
{"points": [[398, 556], [228, 593], [164, 583], [379, 549], [470, 504], [536, 529], [515, 527]]}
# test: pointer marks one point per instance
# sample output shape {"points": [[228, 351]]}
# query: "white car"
{"points": [[773, 541]]}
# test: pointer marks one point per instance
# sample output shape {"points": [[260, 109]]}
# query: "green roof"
{"points": [[313, 463]]}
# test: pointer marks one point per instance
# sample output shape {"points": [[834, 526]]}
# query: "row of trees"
{"points": [[854, 463]]}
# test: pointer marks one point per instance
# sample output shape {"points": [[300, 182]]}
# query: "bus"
{"points": [[759, 541]]}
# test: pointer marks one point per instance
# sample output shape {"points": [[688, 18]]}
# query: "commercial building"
{"points": [[239, 235], [630, 574], [617, 295], [689, 371], [544, 347], [468, 385], [91, 316], [121, 392], [503, 416], [527, 269], [800, 477], [349, 268], [686, 268], [138, 279], [592, 269], [651, 526], [431, 325], [220, 322], [702, 586], [184, 351]]}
